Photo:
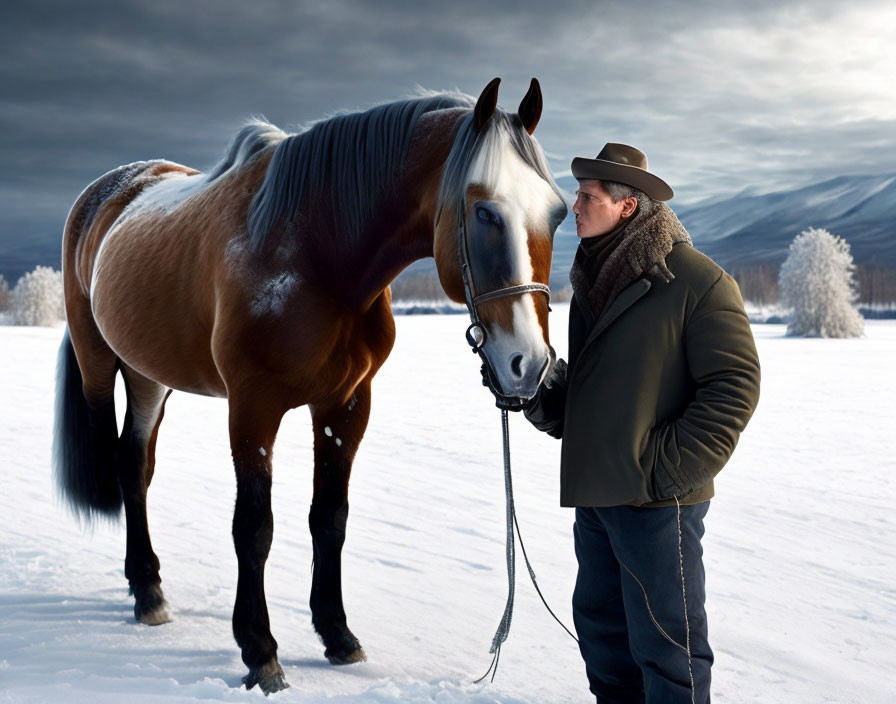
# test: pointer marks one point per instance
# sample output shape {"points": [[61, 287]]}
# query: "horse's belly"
{"points": [[148, 306]]}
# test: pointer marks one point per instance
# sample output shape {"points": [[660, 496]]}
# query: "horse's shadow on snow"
{"points": [[100, 636]]}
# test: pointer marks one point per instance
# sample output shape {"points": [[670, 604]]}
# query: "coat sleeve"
{"points": [[691, 449], [545, 411]]}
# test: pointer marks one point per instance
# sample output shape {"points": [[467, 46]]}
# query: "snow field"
{"points": [[799, 547]]}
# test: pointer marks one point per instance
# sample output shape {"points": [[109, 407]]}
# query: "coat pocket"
{"points": [[660, 461]]}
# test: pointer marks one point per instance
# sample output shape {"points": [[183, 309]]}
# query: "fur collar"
{"points": [[649, 237]]}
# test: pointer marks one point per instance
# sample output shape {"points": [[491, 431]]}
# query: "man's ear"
{"points": [[631, 203]]}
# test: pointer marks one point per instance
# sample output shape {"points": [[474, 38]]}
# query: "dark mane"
{"points": [[251, 139], [355, 157]]}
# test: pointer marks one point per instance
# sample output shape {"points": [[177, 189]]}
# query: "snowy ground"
{"points": [[800, 548]]}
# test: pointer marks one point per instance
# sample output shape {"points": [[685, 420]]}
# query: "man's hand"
{"points": [[545, 410], [556, 376]]}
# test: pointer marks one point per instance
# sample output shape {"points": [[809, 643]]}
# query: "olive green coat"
{"points": [[657, 391]]}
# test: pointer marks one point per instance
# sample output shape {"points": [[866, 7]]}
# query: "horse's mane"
{"points": [[470, 143], [354, 157], [254, 136]]}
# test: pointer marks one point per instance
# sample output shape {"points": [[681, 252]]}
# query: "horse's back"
{"points": [[180, 294]]}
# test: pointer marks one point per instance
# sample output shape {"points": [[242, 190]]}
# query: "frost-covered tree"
{"points": [[37, 298], [817, 281], [4, 294]]}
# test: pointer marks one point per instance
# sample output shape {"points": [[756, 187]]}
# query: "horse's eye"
{"points": [[558, 216], [487, 216]]}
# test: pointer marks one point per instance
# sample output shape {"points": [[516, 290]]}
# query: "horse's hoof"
{"points": [[346, 654], [156, 617], [269, 677], [150, 606]]}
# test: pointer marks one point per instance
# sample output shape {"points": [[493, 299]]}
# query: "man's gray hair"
{"points": [[618, 191]]}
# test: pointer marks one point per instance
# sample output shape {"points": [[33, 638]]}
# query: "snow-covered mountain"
{"points": [[750, 229]]}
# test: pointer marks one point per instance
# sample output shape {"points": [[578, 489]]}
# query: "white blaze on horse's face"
{"points": [[511, 215]]}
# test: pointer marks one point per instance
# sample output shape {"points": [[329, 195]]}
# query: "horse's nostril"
{"points": [[516, 365]]}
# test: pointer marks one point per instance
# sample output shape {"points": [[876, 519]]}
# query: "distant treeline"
{"points": [[418, 287], [758, 284], [876, 284], [426, 287]]}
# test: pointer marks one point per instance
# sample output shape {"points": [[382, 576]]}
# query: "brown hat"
{"points": [[623, 164]]}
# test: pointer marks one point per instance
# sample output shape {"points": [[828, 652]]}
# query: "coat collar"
{"points": [[647, 240]]}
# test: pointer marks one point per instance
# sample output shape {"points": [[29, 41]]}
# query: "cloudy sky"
{"points": [[721, 95]]}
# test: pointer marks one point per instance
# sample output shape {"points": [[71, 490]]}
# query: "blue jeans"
{"points": [[625, 553]]}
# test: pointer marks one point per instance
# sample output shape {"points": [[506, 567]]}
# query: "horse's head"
{"points": [[498, 210]]}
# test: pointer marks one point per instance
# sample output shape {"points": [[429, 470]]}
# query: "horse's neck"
{"points": [[406, 233]]}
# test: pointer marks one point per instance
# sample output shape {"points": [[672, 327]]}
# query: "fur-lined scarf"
{"points": [[647, 240]]}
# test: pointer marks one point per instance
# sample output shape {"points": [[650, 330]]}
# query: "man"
{"points": [[662, 378]]}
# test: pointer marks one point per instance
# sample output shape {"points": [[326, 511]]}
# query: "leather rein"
{"points": [[505, 403]]}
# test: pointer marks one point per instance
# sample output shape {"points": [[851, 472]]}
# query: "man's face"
{"points": [[596, 213]]}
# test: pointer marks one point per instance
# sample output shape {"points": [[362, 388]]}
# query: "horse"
{"points": [[266, 282]]}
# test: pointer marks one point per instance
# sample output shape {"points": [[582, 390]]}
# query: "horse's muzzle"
{"points": [[518, 385]]}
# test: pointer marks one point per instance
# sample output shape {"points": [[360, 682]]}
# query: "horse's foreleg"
{"points": [[135, 463], [253, 428], [337, 433]]}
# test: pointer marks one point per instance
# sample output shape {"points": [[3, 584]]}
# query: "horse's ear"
{"points": [[486, 104], [530, 107]]}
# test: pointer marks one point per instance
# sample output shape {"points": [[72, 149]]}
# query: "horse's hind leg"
{"points": [[337, 434], [135, 463]]}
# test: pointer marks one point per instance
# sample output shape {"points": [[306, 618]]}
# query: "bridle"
{"points": [[473, 301], [505, 403]]}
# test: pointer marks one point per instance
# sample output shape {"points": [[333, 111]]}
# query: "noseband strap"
{"points": [[511, 291]]}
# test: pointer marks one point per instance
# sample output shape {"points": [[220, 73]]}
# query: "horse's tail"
{"points": [[84, 439], [85, 432]]}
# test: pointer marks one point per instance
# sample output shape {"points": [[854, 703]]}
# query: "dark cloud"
{"points": [[720, 95]]}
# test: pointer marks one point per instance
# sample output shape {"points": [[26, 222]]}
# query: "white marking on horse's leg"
{"points": [[145, 412]]}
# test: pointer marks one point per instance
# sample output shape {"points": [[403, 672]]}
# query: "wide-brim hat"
{"points": [[623, 164]]}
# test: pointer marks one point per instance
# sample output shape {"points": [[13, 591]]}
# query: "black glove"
{"points": [[555, 378], [545, 410]]}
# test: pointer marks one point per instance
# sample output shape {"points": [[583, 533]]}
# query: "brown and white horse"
{"points": [[266, 281]]}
